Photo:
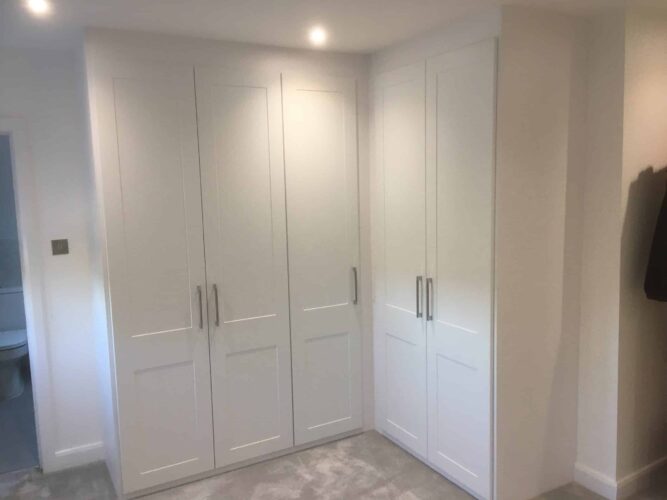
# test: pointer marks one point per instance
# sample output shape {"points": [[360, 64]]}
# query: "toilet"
{"points": [[13, 343], [13, 349]]}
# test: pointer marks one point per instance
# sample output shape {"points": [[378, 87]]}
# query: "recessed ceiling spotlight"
{"points": [[38, 7], [318, 36]]}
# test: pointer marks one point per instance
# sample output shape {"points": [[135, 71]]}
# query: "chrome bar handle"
{"points": [[356, 290], [419, 287], [429, 299], [217, 307], [201, 308]]}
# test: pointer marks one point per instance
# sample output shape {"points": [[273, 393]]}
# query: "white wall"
{"points": [[539, 122], [598, 353], [44, 89], [642, 424]]}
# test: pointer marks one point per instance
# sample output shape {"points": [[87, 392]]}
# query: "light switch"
{"points": [[59, 247]]}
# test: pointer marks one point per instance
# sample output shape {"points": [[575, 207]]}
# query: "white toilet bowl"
{"points": [[13, 348]]}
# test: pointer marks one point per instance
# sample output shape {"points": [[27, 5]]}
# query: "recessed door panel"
{"points": [[150, 172], [329, 366], [169, 382], [254, 388], [322, 213], [154, 215], [240, 134], [461, 97], [400, 332]]}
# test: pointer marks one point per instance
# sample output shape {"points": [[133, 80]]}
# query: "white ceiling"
{"points": [[354, 25]]}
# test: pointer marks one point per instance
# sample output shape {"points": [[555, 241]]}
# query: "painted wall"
{"points": [[598, 352], [10, 263], [622, 412], [540, 93], [44, 90], [642, 412]]}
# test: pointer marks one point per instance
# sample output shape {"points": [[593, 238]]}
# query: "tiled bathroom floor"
{"points": [[18, 440]]}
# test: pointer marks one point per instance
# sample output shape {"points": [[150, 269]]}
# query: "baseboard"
{"points": [[595, 481], [640, 479], [75, 457], [618, 490]]}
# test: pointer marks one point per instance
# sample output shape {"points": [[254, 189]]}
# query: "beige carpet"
{"points": [[367, 466]]}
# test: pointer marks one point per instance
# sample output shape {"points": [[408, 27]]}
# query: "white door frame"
{"points": [[28, 224]]}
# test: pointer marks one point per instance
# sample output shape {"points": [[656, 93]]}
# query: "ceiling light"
{"points": [[39, 7], [318, 36]]}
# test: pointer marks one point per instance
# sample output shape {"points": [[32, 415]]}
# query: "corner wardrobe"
{"points": [[434, 261], [229, 204]]}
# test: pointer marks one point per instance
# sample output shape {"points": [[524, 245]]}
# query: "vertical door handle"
{"points": [[356, 290], [418, 309], [217, 307], [429, 299], [201, 309]]}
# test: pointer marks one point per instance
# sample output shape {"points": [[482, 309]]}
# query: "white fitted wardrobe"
{"points": [[229, 203], [434, 269]]}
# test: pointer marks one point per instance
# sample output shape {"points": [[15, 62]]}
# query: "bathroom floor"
{"points": [[18, 440], [367, 466]]}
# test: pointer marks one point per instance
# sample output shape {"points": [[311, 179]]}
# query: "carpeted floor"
{"points": [[363, 467], [367, 466]]}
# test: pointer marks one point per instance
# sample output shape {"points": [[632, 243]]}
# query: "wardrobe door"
{"points": [[401, 256], [323, 229], [240, 133], [461, 131], [152, 203]]}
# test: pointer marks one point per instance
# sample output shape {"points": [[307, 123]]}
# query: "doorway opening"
{"points": [[18, 437]]}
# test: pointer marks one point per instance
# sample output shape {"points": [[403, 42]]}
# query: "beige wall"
{"points": [[540, 96], [622, 415], [598, 353], [642, 431]]}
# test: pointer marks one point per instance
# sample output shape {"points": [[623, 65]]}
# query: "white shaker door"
{"points": [[461, 131], [241, 143], [323, 233], [400, 335], [152, 201]]}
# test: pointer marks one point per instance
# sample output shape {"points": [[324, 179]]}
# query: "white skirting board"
{"points": [[625, 487], [595, 481]]}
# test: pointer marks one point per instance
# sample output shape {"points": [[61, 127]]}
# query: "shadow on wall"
{"points": [[643, 332]]}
